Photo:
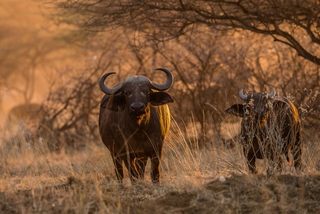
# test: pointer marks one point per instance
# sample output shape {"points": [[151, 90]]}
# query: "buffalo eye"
{"points": [[247, 109], [142, 93], [127, 93]]}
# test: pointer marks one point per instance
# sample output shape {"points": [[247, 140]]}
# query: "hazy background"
{"points": [[51, 57], [47, 59], [33, 52]]}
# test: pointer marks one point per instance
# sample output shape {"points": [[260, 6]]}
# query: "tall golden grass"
{"points": [[35, 180]]}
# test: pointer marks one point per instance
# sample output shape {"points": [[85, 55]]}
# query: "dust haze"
{"points": [[52, 54]]}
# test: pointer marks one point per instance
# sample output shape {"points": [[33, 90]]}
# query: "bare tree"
{"points": [[293, 23], [213, 47]]}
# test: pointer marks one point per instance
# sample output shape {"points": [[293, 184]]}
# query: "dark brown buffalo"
{"points": [[134, 120], [270, 128]]}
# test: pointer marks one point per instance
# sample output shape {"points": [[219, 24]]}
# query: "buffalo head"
{"points": [[256, 107], [136, 92]]}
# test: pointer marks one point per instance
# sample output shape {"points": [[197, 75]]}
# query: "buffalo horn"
{"points": [[243, 95], [104, 88], [272, 93], [167, 84]]}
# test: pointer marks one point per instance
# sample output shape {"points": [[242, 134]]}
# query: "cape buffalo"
{"points": [[270, 127], [133, 122]]}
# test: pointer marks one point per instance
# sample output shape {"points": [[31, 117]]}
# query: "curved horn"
{"points": [[272, 94], [104, 88], [167, 84], [243, 95]]}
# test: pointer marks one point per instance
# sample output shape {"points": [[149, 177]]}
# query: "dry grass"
{"points": [[206, 180]]}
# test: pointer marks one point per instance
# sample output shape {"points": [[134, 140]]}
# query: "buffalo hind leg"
{"points": [[155, 173], [251, 161], [118, 168], [297, 153]]}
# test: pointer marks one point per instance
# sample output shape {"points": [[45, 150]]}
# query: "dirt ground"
{"points": [[234, 194], [244, 194]]}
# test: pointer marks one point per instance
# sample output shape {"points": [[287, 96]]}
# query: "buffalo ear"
{"points": [[160, 98], [113, 102], [236, 109]]}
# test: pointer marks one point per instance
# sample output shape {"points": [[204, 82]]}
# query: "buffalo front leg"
{"points": [[275, 163], [132, 168], [273, 154], [118, 168], [140, 165], [155, 173]]}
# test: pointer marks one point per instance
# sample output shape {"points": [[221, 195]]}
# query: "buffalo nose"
{"points": [[137, 107]]}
